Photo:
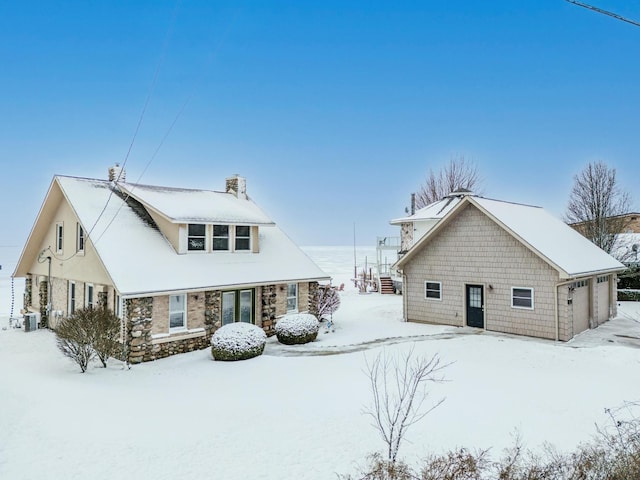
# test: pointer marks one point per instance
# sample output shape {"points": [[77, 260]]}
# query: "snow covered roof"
{"points": [[181, 205], [140, 260], [433, 211], [549, 237]]}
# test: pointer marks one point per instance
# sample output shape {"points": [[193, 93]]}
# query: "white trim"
{"points": [[205, 239], [295, 309], [213, 237], [439, 298], [235, 239], [88, 286], [80, 238], [182, 327], [59, 237], [71, 283], [172, 337], [521, 307]]}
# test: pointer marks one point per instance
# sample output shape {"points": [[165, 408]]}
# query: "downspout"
{"points": [[557, 311], [49, 293], [404, 298]]}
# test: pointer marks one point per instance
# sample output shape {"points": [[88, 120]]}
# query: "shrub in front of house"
{"points": [[237, 341], [297, 328]]}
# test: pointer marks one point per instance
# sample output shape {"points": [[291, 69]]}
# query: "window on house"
{"points": [[80, 239], [221, 237], [237, 306], [243, 237], [72, 297], [117, 306], [197, 237], [522, 297], [177, 312], [88, 296], [433, 290], [59, 237], [292, 297]]}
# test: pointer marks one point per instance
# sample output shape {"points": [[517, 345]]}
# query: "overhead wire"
{"points": [[604, 12]]}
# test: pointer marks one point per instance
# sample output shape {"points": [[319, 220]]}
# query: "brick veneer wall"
{"points": [[472, 249]]}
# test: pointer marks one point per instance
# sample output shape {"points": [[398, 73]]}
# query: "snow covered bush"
{"points": [[327, 301], [237, 341], [297, 328]]}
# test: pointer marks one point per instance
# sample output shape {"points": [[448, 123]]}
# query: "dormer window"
{"points": [[243, 237], [220, 237], [197, 237]]}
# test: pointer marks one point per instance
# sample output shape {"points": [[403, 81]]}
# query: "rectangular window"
{"points": [[88, 299], [72, 297], [522, 297], [237, 306], [80, 239], [243, 237], [177, 312], [117, 306], [292, 297], [221, 237], [59, 237], [433, 290], [197, 237]]}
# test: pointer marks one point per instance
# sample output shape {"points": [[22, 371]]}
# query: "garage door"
{"points": [[603, 299], [580, 306]]}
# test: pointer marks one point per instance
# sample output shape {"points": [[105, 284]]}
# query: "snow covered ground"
{"points": [[296, 411]]}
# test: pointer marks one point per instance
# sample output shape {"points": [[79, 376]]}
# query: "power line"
{"points": [[604, 12]]}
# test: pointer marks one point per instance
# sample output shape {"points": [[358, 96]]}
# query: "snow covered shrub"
{"points": [[297, 328], [237, 341], [327, 301]]}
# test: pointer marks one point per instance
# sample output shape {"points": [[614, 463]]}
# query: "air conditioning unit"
{"points": [[31, 321]]}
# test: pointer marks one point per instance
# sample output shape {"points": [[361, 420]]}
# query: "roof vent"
{"points": [[117, 173]]}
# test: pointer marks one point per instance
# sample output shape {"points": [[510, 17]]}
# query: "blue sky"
{"points": [[334, 111]]}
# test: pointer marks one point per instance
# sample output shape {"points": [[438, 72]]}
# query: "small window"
{"points": [[72, 297], [88, 300], [243, 237], [221, 237], [603, 279], [522, 297], [197, 237], [80, 239], [292, 297], [59, 237], [433, 290], [177, 312]]}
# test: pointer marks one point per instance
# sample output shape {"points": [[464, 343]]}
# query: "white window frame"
{"points": [[72, 297], [214, 237], [80, 238], [293, 297], [59, 237], [89, 287], [203, 238], [236, 238], [520, 297], [427, 290], [183, 311]]}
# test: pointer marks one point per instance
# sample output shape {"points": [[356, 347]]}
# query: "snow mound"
{"points": [[237, 341], [297, 328]]}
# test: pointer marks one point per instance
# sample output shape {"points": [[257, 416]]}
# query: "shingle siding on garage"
{"points": [[473, 249]]}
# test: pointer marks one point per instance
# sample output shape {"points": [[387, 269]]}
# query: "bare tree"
{"points": [[457, 174], [74, 337], [105, 333], [399, 388], [597, 205]]}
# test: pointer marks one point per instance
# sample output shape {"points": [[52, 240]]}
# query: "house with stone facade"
{"points": [[174, 264], [504, 267]]}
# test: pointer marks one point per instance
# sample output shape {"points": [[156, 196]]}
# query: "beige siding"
{"points": [[472, 249], [602, 297]]}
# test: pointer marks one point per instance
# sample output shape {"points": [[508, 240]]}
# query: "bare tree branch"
{"points": [[597, 205], [457, 174], [399, 390]]}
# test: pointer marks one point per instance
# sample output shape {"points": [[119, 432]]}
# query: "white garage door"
{"points": [[580, 306]]}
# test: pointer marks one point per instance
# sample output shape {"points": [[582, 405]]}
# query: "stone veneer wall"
{"points": [[43, 304], [139, 314], [28, 292], [268, 304], [406, 236], [311, 298]]}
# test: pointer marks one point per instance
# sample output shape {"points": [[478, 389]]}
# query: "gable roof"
{"points": [[571, 254], [140, 260], [435, 210]]}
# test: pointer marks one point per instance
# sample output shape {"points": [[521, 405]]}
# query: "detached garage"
{"points": [[510, 268]]}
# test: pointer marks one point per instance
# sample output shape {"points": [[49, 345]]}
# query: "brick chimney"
{"points": [[117, 173], [237, 185]]}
